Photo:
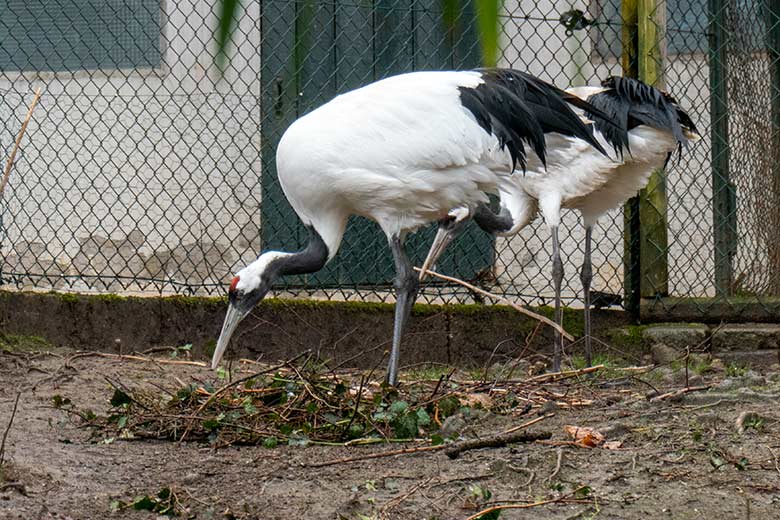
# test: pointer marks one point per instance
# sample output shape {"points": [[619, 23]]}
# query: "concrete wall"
{"points": [[147, 173]]}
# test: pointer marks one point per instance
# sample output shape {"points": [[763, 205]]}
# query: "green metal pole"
{"points": [[654, 247], [773, 54], [722, 209], [631, 227]]}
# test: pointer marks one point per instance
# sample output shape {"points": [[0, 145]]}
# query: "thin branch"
{"points": [[678, 393], [496, 441], [507, 301], [234, 383], [11, 157], [525, 506], [8, 428], [376, 455]]}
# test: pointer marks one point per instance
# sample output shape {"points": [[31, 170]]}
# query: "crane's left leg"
{"points": [[557, 273], [406, 285], [586, 276]]}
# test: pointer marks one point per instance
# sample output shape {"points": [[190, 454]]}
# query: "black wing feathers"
{"points": [[631, 103], [517, 107]]}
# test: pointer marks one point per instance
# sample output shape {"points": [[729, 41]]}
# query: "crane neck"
{"points": [[308, 260]]}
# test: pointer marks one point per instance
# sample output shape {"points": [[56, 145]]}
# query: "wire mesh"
{"points": [[142, 173]]}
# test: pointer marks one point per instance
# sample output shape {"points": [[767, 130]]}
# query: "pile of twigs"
{"points": [[301, 404]]}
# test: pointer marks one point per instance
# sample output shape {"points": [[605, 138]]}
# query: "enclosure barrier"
{"points": [[144, 173]]}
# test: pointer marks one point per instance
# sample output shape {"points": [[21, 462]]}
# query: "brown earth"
{"points": [[683, 458]]}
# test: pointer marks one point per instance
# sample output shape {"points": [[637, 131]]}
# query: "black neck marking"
{"points": [[310, 259], [516, 107], [491, 222]]}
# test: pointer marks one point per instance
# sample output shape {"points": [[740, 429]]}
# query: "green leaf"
{"points": [[211, 424], [116, 505], [58, 401], [249, 408], [270, 442], [120, 398], [143, 503], [423, 419], [436, 440], [164, 494], [355, 430], [331, 417], [448, 406], [398, 407], [742, 464], [121, 422], [405, 426], [583, 492], [298, 440]]}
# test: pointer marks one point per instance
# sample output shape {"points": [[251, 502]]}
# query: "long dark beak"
{"points": [[444, 236], [232, 319]]}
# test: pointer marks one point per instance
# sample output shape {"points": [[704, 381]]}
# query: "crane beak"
{"points": [[232, 319], [444, 236]]}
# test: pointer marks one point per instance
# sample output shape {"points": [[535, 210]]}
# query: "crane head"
{"points": [[247, 289]]}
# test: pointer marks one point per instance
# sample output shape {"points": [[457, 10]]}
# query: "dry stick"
{"points": [[527, 424], [10, 162], [524, 506], [678, 393], [392, 504], [376, 455], [557, 469], [496, 441], [564, 375], [8, 428], [507, 301], [234, 383]]}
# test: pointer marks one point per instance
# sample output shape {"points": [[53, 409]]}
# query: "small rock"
{"points": [[453, 425], [746, 337], [677, 336], [663, 354], [191, 478], [748, 420], [752, 378], [615, 430], [729, 384], [548, 407]]}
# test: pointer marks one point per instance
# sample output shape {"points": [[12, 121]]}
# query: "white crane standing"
{"points": [[645, 126], [403, 152]]}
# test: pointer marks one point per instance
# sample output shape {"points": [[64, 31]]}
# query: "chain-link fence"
{"points": [[143, 173]]}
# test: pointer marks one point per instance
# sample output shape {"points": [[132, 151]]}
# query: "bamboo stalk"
{"points": [[10, 162]]}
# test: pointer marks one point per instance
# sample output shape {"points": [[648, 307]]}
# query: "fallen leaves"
{"points": [[586, 437]]}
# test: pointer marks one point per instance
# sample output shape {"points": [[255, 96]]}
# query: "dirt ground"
{"points": [[680, 458]]}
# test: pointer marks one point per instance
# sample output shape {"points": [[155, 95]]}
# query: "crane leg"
{"points": [[557, 273], [406, 285], [586, 276]]}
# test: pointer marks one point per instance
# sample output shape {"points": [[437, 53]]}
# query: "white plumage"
{"points": [[403, 152]]}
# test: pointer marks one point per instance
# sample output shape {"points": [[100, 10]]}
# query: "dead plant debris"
{"points": [[301, 403]]}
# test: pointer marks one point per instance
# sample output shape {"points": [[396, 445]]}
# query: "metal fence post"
{"points": [[722, 189], [772, 21], [645, 231], [654, 244], [630, 65]]}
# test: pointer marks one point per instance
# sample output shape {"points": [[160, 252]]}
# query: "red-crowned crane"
{"points": [[403, 152], [645, 126]]}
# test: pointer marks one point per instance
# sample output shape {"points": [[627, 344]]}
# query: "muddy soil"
{"points": [[680, 458]]}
